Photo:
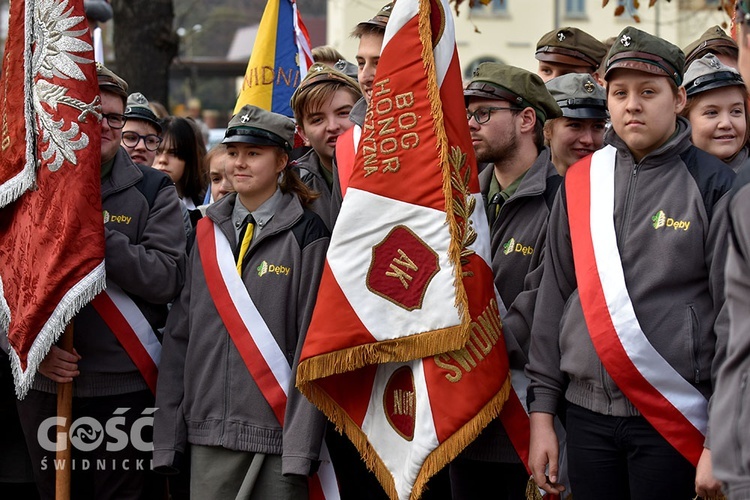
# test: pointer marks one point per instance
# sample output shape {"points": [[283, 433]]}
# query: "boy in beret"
{"points": [[321, 106], [728, 420], [713, 41], [580, 130], [568, 50], [145, 263], [141, 135], [236, 331], [625, 329], [507, 108]]}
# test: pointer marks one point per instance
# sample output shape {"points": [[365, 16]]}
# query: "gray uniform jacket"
{"points": [[730, 414], [205, 394], [517, 240], [309, 169], [145, 256], [674, 274]]}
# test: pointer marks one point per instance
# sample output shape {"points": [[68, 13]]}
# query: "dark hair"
{"points": [[291, 183], [187, 143]]}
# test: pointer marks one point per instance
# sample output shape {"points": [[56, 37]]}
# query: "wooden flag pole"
{"points": [[64, 410]]}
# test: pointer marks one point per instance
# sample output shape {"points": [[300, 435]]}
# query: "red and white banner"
{"points": [[405, 350], [669, 402], [51, 237], [264, 359]]}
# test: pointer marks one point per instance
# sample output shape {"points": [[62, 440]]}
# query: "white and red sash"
{"points": [[132, 330], [670, 403], [253, 339], [346, 151]]}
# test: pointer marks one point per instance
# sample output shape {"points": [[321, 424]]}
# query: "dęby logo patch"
{"points": [[266, 268], [117, 219], [660, 219], [512, 246]]}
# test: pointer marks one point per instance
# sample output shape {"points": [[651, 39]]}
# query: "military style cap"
{"points": [[347, 68], [137, 109], [253, 125], [711, 40], [110, 81], [519, 87], [641, 51], [708, 73], [320, 73], [381, 18], [579, 96], [570, 46]]}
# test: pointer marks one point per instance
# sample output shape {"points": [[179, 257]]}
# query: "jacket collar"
{"points": [[677, 145], [124, 174], [534, 183], [357, 114]]}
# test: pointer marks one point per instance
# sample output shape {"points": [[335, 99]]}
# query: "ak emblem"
{"points": [[400, 402], [402, 268]]}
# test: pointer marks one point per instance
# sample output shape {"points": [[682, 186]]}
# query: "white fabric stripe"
{"points": [[400, 15], [252, 319], [327, 475], [356, 136], [446, 45], [660, 374], [136, 320]]}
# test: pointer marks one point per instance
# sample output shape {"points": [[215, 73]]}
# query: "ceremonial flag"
{"points": [[279, 60], [405, 350], [51, 237]]}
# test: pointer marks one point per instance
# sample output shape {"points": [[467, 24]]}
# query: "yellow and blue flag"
{"points": [[279, 60]]}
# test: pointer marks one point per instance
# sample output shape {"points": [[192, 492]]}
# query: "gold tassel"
{"points": [[532, 490]]}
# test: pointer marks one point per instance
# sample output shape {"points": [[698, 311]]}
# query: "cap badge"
{"points": [[388, 8], [320, 68], [589, 86], [714, 63], [245, 118], [625, 40], [561, 36], [139, 99]]}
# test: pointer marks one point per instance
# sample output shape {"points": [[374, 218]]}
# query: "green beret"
{"points": [[108, 80], [712, 39], [579, 96], [320, 73], [708, 73], [641, 51], [570, 46], [253, 125], [519, 87]]}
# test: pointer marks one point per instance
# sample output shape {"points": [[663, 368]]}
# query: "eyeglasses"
{"points": [[483, 115], [131, 140], [115, 120]]}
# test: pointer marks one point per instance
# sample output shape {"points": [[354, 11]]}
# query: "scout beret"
{"points": [[137, 108], [712, 39], [519, 87], [570, 46], [709, 73], [641, 51], [253, 125], [381, 18], [110, 81], [579, 96], [320, 73]]}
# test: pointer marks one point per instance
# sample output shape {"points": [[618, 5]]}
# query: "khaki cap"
{"points": [[712, 39], [519, 87], [570, 46], [320, 73], [137, 109], [579, 96], [110, 81], [253, 125], [381, 18], [641, 51], [708, 73]]}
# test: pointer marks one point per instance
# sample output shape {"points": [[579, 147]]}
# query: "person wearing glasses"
{"points": [[507, 108], [145, 262], [141, 135]]}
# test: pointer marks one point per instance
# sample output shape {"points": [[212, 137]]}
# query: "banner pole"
{"points": [[64, 410]]}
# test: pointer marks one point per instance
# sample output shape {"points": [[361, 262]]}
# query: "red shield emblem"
{"points": [[400, 402]]}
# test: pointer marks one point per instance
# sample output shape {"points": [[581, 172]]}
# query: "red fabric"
{"points": [[52, 238], [665, 418], [345, 158], [128, 338]]}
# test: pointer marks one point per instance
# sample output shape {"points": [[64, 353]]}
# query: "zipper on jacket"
{"points": [[738, 437], [696, 338], [630, 194]]}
